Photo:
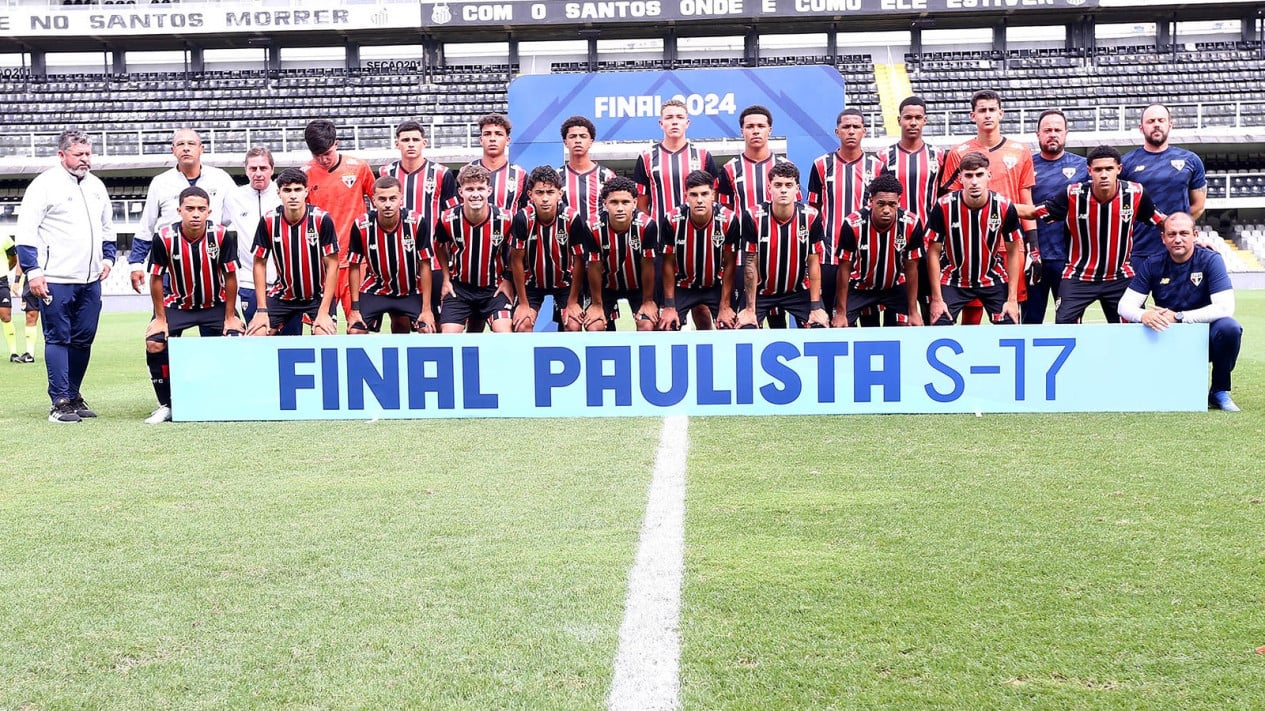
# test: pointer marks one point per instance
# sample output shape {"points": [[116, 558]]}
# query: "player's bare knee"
{"points": [[155, 343]]}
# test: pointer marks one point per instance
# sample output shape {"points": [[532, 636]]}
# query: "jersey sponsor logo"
{"points": [[1069, 172], [1177, 164], [1076, 189], [349, 180], [1196, 278], [1139, 168]]}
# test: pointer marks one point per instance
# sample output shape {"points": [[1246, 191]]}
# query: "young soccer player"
{"points": [[879, 251], [699, 241], [621, 246], [394, 248], [546, 258], [470, 244], [582, 178]]}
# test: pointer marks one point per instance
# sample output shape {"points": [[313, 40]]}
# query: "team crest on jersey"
{"points": [[994, 222], [429, 185], [1010, 162], [635, 243], [718, 238], [409, 243], [497, 237], [1196, 278], [1126, 212], [312, 237], [901, 242], [440, 14], [349, 180], [212, 250], [511, 184], [803, 235], [1177, 164], [560, 237], [1069, 172]]}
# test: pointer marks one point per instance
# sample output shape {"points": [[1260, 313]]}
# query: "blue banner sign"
{"points": [[1090, 368], [624, 106]]}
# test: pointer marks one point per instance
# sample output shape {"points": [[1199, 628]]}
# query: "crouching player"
{"points": [[620, 245], [301, 241], [470, 245], [394, 248], [782, 244], [545, 257], [879, 251], [200, 263], [699, 243]]}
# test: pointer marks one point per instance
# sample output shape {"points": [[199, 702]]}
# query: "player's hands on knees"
{"points": [[1011, 309], [425, 322], [938, 309], [746, 319], [840, 319], [524, 318], [573, 318], [726, 317], [324, 325], [595, 318], [817, 319], [915, 317], [669, 320], [258, 325], [647, 317], [233, 326]]}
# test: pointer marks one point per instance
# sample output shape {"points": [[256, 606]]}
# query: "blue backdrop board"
{"points": [[624, 106], [1094, 368]]}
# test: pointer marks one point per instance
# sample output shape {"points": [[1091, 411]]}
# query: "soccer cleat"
{"points": [[63, 411], [15, 358], [81, 408], [1221, 400], [162, 414], [26, 358]]}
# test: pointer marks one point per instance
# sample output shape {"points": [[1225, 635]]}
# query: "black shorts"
{"points": [[795, 303], [484, 302], [687, 299], [209, 321], [894, 301], [829, 283], [993, 298], [373, 307], [6, 294], [282, 312], [536, 298], [610, 297], [1076, 296]]}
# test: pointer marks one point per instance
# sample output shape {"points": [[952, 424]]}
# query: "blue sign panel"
{"points": [[624, 106], [1095, 368]]}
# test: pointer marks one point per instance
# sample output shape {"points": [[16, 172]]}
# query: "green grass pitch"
{"points": [[1009, 561]]}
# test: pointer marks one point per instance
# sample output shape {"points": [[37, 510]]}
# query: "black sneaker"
{"points": [[63, 411], [14, 358], [81, 407], [26, 358]]}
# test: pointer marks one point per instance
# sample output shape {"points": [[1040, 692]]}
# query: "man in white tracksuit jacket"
{"points": [[66, 248]]}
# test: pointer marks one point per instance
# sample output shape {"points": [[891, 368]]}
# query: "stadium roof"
{"points": [[41, 27]]}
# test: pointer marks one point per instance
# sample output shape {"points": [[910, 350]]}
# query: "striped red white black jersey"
{"points": [[509, 187], [837, 188], [583, 191], [620, 253], [744, 183], [549, 248], [878, 257], [699, 250], [782, 248], [392, 259], [660, 174], [974, 240], [194, 268], [476, 253], [298, 250], [919, 174], [1100, 233], [427, 191]]}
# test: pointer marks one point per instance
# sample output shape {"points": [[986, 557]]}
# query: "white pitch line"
{"points": [[647, 662]]}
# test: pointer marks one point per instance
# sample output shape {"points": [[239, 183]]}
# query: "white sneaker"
{"points": [[162, 414]]}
